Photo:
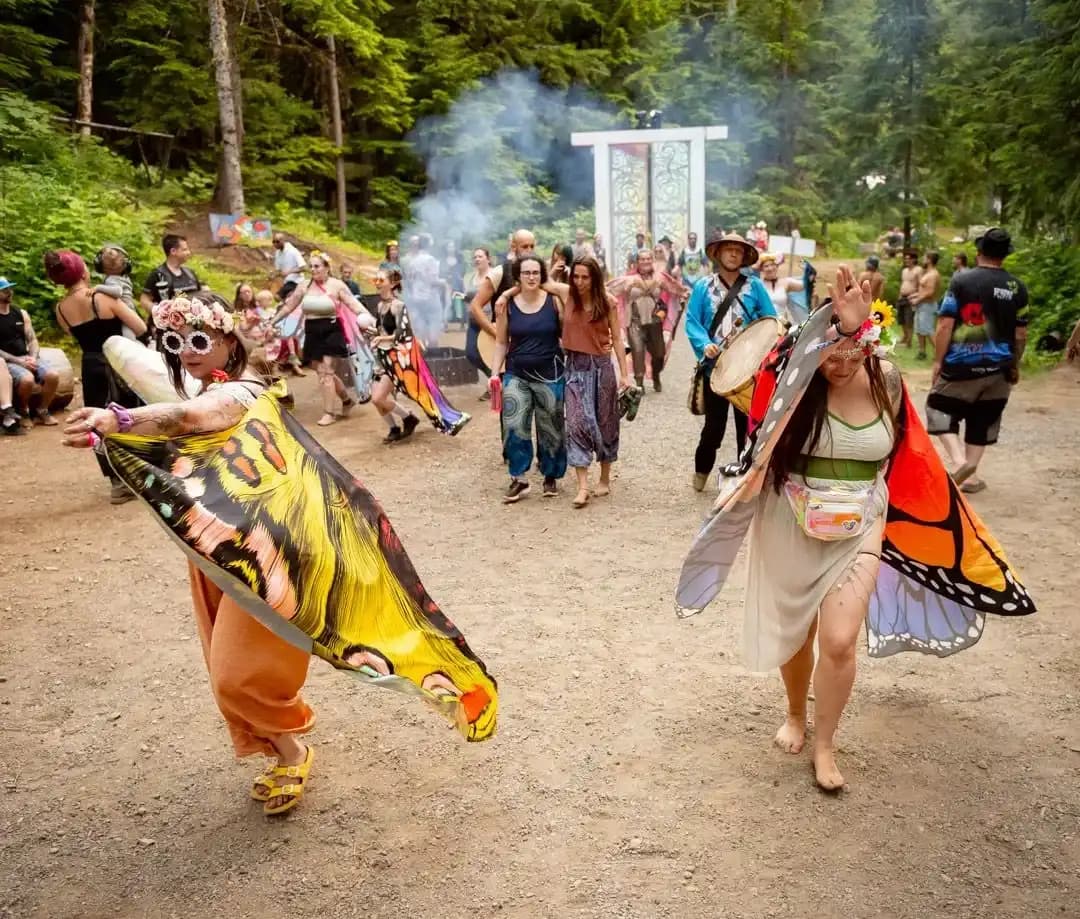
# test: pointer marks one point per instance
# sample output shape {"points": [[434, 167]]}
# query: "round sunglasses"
{"points": [[198, 342]]}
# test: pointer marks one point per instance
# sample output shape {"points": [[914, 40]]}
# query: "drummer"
{"points": [[740, 298]]}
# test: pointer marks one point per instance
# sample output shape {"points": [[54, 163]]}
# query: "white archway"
{"points": [[650, 179]]}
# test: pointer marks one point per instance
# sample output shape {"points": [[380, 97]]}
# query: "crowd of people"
{"points": [[827, 440]]}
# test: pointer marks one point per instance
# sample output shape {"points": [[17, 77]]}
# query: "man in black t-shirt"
{"points": [[980, 339], [171, 278]]}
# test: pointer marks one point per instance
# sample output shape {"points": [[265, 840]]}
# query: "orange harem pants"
{"points": [[256, 676]]}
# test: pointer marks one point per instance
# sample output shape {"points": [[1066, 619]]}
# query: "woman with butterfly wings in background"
{"points": [[402, 368], [841, 482]]}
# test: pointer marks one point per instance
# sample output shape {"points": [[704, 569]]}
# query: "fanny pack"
{"points": [[830, 514]]}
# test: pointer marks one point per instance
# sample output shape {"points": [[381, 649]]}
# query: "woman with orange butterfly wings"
{"points": [[402, 368], [841, 482]]}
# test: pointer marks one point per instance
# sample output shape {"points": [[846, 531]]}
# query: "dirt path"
{"points": [[632, 775]]}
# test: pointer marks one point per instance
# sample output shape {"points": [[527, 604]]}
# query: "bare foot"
{"points": [[581, 499], [791, 737], [825, 771], [326, 420], [602, 490]]}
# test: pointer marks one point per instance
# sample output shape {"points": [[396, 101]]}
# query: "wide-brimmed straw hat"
{"points": [[712, 248]]}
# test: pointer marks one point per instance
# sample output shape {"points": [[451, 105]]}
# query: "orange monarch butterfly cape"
{"points": [[941, 571], [282, 528]]}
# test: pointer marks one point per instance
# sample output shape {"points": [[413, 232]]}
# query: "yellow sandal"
{"points": [[263, 784], [292, 792]]}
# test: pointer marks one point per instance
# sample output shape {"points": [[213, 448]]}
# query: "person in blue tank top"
{"points": [[533, 385]]}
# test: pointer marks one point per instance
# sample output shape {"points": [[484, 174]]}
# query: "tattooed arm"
{"points": [[894, 384], [32, 346], [212, 411]]}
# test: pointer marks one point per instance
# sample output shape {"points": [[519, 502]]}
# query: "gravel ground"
{"points": [[632, 775]]}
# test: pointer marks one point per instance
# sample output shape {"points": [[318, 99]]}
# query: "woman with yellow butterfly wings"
{"points": [[289, 554]]}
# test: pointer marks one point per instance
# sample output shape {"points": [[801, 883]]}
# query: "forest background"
{"points": [[962, 112]]}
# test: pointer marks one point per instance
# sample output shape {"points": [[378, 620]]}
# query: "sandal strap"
{"points": [[287, 791], [299, 771], [291, 772]]}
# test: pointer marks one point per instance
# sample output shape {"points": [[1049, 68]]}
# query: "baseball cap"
{"points": [[995, 243], [872, 261], [5, 283]]}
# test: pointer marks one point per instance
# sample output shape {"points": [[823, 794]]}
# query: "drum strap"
{"points": [[725, 304]]}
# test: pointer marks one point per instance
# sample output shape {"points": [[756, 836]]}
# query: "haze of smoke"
{"points": [[487, 156]]}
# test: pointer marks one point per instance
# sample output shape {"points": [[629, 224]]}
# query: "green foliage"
{"points": [[63, 195], [1051, 272], [817, 95], [844, 238]]}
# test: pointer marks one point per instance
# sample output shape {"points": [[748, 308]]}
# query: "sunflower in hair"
{"points": [[882, 314]]}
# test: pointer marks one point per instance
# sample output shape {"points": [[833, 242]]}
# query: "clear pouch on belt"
{"points": [[829, 514]]}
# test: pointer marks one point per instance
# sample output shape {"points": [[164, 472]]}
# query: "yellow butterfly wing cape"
{"points": [[281, 527]]}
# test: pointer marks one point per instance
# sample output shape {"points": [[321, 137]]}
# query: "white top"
{"points": [[289, 260], [839, 440]]}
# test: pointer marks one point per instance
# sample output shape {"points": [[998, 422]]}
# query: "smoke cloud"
{"points": [[500, 159]]}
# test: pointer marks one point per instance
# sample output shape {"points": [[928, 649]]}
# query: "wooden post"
{"points": [[339, 140], [85, 102]]}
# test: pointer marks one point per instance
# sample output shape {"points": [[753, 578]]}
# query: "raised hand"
{"points": [[850, 301]]}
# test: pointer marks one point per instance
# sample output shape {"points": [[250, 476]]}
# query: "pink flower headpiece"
{"points": [[180, 312]]}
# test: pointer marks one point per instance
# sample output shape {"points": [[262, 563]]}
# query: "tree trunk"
{"points": [[910, 50], [230, 190], [85, 106], [237, 82], [339, 140]]}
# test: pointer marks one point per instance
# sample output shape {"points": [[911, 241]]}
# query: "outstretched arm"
{"points": [[562, 291], [212, 411]]}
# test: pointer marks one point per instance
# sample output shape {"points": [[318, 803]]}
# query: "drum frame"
{"points": [[740, 396]]}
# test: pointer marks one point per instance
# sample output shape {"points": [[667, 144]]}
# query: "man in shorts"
{"points": [[980, 339], [19, 351], [909, 286], [925, 302]]}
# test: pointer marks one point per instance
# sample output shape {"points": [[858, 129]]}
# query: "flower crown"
{"points": [[874, 336], [179, 312]]}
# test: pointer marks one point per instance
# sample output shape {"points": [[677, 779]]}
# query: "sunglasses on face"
{"points": [[197, 342]]}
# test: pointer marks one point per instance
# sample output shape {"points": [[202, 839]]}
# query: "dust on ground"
{"points": [[632, 775]]}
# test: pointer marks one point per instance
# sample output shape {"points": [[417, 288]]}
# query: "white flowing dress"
{"points": [[789, 572]]}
